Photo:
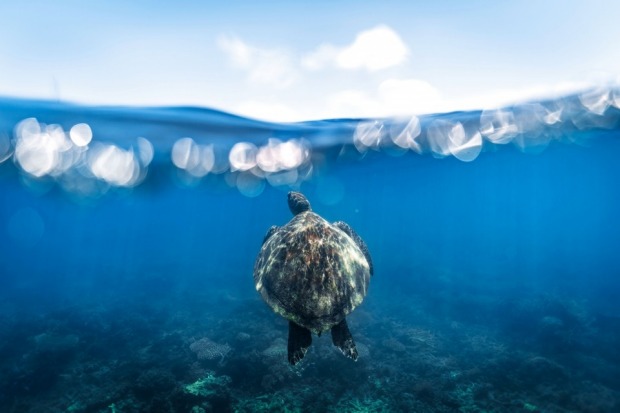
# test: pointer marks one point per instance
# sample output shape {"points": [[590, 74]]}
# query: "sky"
{"points": [[289, 61]]}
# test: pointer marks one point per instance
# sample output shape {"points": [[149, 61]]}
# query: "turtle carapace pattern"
{"points": [[314, 274]]}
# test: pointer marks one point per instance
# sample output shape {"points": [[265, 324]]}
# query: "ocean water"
{"points": [[128, 238]]}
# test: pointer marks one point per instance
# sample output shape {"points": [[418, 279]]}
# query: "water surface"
{"points": [[128, 238]]}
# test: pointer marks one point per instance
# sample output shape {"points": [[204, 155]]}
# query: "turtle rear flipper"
{"points": [[299, 339], [342, 338]]}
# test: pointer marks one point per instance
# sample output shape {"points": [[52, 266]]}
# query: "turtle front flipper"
{"points": [[342, 338], [269, 233], [299, 339], [344, 227]]}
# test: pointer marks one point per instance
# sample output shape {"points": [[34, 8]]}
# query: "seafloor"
{"points": [[440, 348]]}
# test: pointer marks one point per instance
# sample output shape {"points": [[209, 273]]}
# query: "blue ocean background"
{"points": [[494, 236]]}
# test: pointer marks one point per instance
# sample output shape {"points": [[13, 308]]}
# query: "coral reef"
{"points": [[352, 404], [277, 349], [208, 385], [206, 349], [528, 356]]}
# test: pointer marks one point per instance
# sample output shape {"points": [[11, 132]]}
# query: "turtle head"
{"points": [[298, 203]]}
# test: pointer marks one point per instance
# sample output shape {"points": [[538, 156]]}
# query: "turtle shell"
{"points": [[311, 272]]}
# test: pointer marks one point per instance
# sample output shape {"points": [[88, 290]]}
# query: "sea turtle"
{"points": [[314, 274]]}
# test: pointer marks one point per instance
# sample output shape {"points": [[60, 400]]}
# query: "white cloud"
{"points": [[239, 52], [351, 103], [407, 96], [321, 57], [490, 99], [393, 97], [374, 49], [264, 66], [396, 97]]}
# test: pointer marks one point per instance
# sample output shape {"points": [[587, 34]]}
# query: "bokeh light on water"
{"points": [[249, 184], [278, 156], [615, 97], [114, 165], [463, 145], [71, 158], [279, 163], [81, 134], [498, 126], [249, 156], [596, 100], [405, 135], [43, 150], [5, 147], [196, 160], [146, 151], [447, 138], [242, 156], [529, 126], [246, 166], [368, 135]]}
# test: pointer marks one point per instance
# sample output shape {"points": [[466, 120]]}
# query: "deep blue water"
{"points": [[496, 278]]}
